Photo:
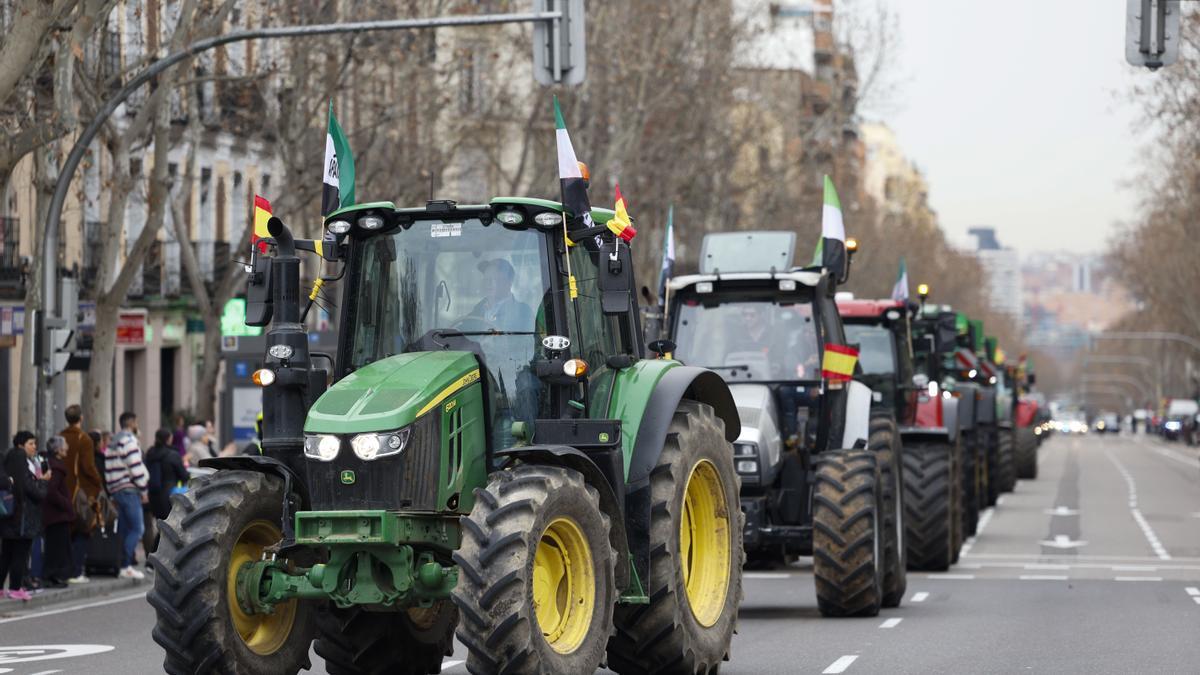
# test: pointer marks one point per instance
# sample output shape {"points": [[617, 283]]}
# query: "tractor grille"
{"points": [[405, 481]]}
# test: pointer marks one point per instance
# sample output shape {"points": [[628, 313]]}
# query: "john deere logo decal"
{"points": [[348, 477]]}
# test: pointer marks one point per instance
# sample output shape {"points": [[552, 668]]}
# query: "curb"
{"points": [[96, 588]]}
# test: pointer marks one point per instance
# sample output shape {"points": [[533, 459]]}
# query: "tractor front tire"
{"points": [[930, 487], [354, 641], [1025, 453], [536, 586], [222, 521], [696, 556], [848, 539], [884, 441]]}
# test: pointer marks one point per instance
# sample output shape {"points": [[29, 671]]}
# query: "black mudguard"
{"points": [[294, 485]]}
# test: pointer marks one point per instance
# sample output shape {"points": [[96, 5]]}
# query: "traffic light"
{"points": [[1152, 32], [559, 46]]}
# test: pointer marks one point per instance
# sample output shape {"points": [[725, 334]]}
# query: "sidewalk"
{"points": [[98, 586]]}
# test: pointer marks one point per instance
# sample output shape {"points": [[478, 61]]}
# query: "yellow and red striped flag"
{"points": [[620, 223], [262, 213], [838, 364]]}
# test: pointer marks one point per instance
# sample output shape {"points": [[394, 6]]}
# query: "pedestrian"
{"points": [[127, 481], [57, 515], [84, 484], [179, 438], [18, 531], [167, 474], [198, 445]]}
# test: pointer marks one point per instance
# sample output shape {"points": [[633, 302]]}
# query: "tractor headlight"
{"points": [[370, 222], [373, 446], [747, 467], [322, 447], [745, 450], [339, 227]]}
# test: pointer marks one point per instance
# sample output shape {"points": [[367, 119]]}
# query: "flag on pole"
{"points": [[900, 288], [833, 233], [338, 183], [570, 175], [838, 363], [262, 214], [668, 258], [620, 224]]}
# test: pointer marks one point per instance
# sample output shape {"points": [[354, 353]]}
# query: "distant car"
{"points": [[1108, 423], [1180, 423]]}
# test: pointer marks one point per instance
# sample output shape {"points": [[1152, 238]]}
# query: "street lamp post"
{"points": [[48, 314]]}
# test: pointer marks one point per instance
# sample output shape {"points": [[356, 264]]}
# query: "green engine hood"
{"points": [[391, 393]]}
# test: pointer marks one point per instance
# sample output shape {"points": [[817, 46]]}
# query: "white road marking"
{"points": [[28, 654], [1046, 566], [1061, 511], [984, 519], [1063, 541], [950, 576], [1192, 590], [840, 665], [891, 623], [1197, 600], [1196, 514], [919, 597], [65, 610], [968, 566], [1043, 577], [1147, 531], [1000, 500], [1137, 578], [766, 575], [451, 664], [48, 672], [1134, 568]]}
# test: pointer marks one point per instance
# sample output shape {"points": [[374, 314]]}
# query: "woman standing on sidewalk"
{"points": [[57, 514], [19, 530]]}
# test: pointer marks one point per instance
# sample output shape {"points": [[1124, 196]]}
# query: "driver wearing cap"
{"points": [[498, 307]]}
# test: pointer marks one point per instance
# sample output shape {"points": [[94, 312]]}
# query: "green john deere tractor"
{"points": [[492, 460]]}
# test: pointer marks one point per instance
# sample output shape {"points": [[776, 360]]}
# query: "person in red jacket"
{"points": [[57, 515]]}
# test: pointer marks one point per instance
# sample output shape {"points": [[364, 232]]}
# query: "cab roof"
{"points": [[808, 278], [866, 309]]}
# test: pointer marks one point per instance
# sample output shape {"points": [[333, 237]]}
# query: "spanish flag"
{"points": [[838, 364], [620, 223], [262, 213]]}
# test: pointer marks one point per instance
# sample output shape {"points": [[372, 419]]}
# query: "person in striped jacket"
{"points": [[128, 484]]}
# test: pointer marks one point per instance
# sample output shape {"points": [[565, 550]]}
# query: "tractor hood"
{"points": [[391, 393]]}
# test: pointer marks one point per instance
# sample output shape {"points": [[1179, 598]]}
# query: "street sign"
{"points": [[1152, 32], [559, 46]]}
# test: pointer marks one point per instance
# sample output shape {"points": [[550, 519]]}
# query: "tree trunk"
{"points": [[206, 387]]}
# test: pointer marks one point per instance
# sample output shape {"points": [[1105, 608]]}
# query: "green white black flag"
{"points": [[338, 182]]}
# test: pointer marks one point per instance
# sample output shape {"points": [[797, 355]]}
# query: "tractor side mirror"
{"points": [[258, 292], [661, 347], [616, 278]]}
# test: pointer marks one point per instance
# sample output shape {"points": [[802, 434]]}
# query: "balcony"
{"points": [[12, 283], [90, 273]]}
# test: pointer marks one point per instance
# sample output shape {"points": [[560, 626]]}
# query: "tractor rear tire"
{"points": [[995, 467], [929, 502], [848, 538], [969, 485], [354, 641], [223, 520], [1025, 453], [536, 585], [884, 441], [696, 556], [1006, 447]]}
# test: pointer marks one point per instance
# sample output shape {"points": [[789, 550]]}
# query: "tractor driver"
{"points": [[499, 308]]}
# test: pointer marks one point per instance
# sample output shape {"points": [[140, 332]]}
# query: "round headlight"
{"points": [[339, 227], [510, 217], [366, 446], [371, 222], [394, 441], [323, 447], [548, 218], [281, 352]]}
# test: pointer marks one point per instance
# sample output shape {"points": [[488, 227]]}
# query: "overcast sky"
{"points": [[1016, 113]]}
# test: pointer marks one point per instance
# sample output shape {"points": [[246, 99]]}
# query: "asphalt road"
{"points": [[1092, 568]]}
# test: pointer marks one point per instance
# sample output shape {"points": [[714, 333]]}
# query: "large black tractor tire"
{"points": [[929, 502], [1006, 468], [993, 472], [1025, 453], [222, 521], [848, 539], [969, 497], [355, 641], [695, 581], [956, 519], [536, 584], [884, 441]]}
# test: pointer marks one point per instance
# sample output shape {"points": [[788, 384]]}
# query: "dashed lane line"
{"points": [[1193, 591], [840, 665], [919, 597], [1147, 531], [1197, 600], [1043, 577], [891, 623], [1137, 578]]}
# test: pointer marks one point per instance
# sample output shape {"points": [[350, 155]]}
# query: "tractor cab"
{"points": [[882, 329]]}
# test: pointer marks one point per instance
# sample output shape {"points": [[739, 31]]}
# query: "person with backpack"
{"points": [[85, 485], [128, 483], [167, 474]]}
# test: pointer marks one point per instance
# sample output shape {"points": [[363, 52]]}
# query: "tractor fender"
{"points": [[293, 484], [577, 460], [697, 384]]}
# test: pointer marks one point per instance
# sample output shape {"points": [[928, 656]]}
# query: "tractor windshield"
{"points": [[877, 349], [458, 279], [769, 340]]}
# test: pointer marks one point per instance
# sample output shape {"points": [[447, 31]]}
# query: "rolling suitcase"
{"points": [[104, 551]]}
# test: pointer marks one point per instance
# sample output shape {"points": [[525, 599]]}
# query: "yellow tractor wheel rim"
{"points": [[704, 548], [264, 634], [564, 585]]}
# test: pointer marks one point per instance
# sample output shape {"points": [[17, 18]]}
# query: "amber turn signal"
{"points": [[575, 368], [263, 377]]}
